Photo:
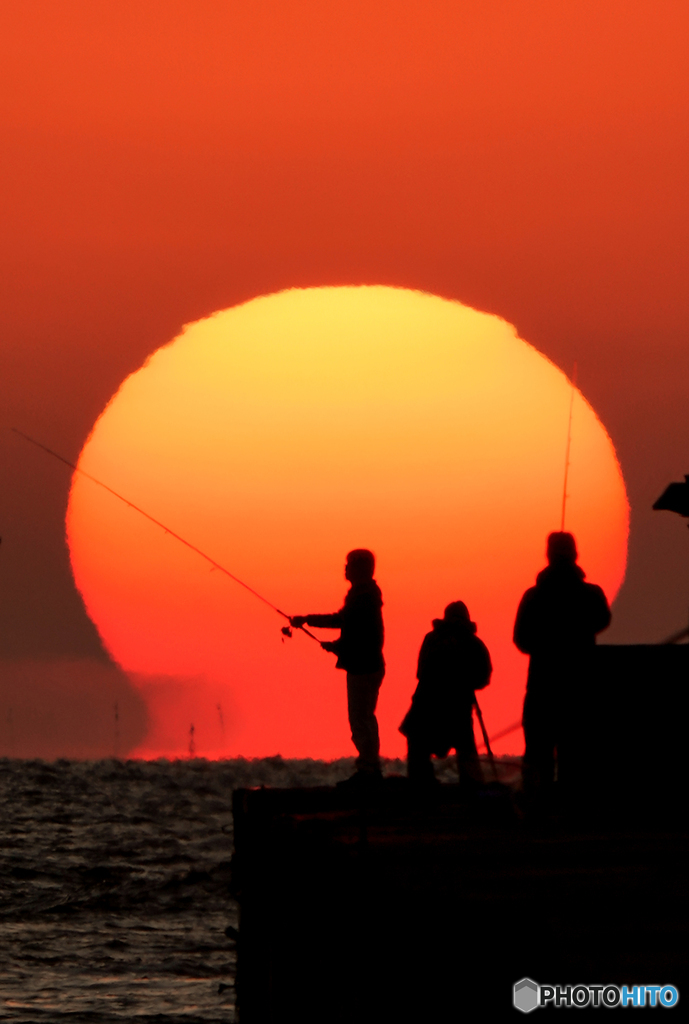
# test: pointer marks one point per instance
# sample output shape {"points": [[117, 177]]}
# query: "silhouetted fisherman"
{"points": [[359, 651], [557, 622], [453, 664]]}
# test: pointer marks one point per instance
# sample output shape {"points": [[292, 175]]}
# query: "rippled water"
{"points": [[114, 886]]}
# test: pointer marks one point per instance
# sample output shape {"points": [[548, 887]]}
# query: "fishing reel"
{"points": [[286, 632]]}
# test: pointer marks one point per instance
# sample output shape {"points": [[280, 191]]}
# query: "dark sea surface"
{"points": [[114, 885]]}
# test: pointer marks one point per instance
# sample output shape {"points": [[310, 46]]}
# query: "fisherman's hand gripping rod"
{"points": [[286, 630]]}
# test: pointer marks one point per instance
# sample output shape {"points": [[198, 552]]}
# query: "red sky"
{"points": [[165, 159]]}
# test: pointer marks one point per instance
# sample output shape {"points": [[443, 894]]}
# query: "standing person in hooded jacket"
{"points": [[453, 664], [359, 651], [557, 622]]}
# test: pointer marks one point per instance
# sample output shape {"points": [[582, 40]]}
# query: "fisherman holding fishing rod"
{"points": [[359, 651], [359, 648]]}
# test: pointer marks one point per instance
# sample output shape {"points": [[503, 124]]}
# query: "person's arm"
{"points": [[332, 621], [523, 628], [424, 654], [422, 685], [600, 610], [483, 667]]}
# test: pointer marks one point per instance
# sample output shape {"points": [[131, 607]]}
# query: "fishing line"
{"points": [[216, 565], [569, 445]]}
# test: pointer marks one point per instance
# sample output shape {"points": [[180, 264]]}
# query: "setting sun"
{"points": [[279, 434]]}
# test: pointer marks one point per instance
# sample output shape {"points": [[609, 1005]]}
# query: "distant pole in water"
{"points": [[222, 722], [117, 730], [569, 445], [10, 729], [192, 743]]}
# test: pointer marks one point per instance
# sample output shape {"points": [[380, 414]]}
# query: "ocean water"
{"points": [[114, 885]]}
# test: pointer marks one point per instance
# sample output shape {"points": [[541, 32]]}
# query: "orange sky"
{"points": [[165, 159]]}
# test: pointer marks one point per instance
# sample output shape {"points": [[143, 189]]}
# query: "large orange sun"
{"points": [[278, 435]]}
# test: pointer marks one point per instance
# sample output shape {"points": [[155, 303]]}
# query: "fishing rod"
{"points": [[286, 630], [676, 637], [506, 732], [569, 445], [486, 741]]}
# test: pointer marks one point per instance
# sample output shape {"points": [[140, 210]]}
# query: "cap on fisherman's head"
{"points": [[362, 561], [561, 547], [456, 610]]}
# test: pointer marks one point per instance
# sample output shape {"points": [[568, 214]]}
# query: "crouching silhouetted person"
{"points": [[359, 651], [453, 664], [557, 622]]}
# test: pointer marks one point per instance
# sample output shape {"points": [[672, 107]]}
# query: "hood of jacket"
{"points": [[562, 575], [454, 627]]}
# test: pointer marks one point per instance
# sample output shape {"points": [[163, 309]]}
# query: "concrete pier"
{"points": [[396, 908], [395, 912]]}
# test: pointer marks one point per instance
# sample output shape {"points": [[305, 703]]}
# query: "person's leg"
{"points": [[538, 766], [468, 764], [570, 724], [362, 698], [419, 765]]}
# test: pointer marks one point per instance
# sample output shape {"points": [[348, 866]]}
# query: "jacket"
{"points": [[560, 615], [453, 664], [359, 648]]}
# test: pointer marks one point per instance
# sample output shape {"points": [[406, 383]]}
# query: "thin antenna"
{"points": [[117, 730], [569, 445], [10, 729]]}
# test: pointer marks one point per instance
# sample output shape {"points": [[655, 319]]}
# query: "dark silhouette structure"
{"points": [[453, 664], [557, 623], [675, 498], [358, 912], [359, 651]]}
